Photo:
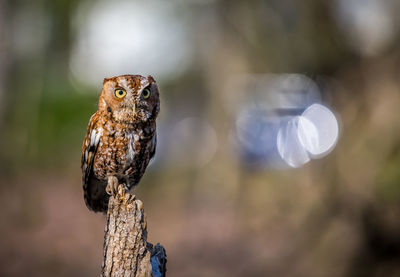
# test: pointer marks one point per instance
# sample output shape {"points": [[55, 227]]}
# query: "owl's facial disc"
{"points": [[130, 98]]}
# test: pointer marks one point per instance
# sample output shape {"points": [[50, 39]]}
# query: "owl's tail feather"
{"points": [[96, 197]]}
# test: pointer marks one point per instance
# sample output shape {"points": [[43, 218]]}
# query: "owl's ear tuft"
{"points": [[106, 80], [151, 79]]}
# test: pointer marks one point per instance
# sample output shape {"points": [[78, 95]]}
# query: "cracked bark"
{"points": [[126, 250]]}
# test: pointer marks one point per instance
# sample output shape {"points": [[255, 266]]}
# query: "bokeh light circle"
{"points": [[318, 130], [122, 37], [289, 147]]}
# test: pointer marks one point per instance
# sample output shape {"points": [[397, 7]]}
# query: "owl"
{"points": [[121, 137]]}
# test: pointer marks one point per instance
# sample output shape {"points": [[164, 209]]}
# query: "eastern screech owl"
{"points": [[121, 136]]}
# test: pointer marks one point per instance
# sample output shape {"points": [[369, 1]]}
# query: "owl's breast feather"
{"points": [[130, 155]]}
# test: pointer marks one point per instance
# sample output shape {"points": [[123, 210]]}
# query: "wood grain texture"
{"points": [[126, 250]]}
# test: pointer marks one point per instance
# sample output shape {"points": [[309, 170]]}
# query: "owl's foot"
{"points": [[112, 185], [125, 195], [119, 191]]}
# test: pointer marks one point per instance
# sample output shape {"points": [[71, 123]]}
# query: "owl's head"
{"points": [[130, 98]]}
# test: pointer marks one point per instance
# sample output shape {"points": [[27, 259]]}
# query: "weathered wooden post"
{"points": [[126, 250]]}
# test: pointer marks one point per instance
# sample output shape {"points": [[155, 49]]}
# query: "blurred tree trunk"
{"points": [[4, 54], [60, 13], [126, 250]]}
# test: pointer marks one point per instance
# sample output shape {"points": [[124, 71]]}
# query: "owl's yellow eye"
{"points": [[146, 93], [120, 93]]}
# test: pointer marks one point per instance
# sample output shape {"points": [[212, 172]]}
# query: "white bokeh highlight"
{"points": [[369, 26], [311, 135], [289, 147], [318, 130], [129, 37], [280, 122]]}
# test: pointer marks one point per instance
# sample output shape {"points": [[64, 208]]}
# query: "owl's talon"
{"points": [[129, 197], [120, 190], [126, 195], [112, 185], [126, 198]]}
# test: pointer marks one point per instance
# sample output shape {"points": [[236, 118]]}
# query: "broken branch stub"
{"points": [[126, 250]]}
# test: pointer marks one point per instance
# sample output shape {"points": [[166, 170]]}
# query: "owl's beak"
{"points": [[134, 108]]}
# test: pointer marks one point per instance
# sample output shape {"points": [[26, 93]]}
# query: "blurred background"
{"points": [[279, 134]]}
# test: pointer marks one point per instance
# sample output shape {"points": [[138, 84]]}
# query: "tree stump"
{"points": [[126, 250]]}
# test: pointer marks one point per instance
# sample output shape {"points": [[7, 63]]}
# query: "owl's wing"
{"points": [[89, 149], [153, 146]]}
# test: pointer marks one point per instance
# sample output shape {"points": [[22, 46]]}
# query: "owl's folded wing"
{"points": [[89, 149], [153, 146]]}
